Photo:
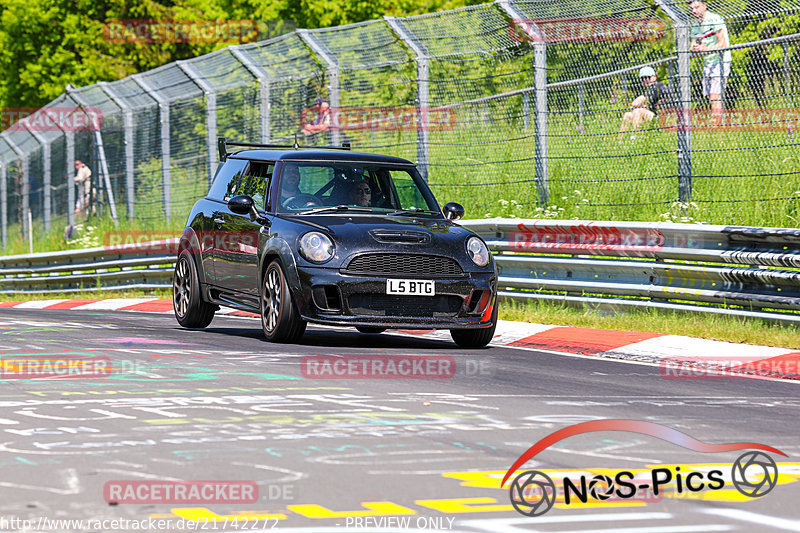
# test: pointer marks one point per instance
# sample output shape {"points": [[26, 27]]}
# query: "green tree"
{"points": [[46, 44]]}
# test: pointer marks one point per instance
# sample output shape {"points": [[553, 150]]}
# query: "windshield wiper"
{"points": [[414, 211], [337, 208]]}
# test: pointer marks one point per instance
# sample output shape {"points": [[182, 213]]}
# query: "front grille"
{"points": [[410, 306], [403, 264]]}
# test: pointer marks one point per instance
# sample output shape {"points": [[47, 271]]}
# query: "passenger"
{"points": [[361, 194]]}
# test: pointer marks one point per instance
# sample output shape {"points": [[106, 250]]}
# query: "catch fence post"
{"points": [[127, 124], [101, 151], [535, 35], [241, 55], [321, 50], [47, 180], [423, 96], [211, 114], [163, 112]]}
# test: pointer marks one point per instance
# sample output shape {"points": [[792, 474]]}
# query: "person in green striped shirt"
{"points": [[709, 33]]}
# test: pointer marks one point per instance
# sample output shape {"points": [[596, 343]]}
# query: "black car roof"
{"points": [[317, 155]]}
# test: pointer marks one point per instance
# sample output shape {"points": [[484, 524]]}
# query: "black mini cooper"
{"points": [[332, 237]]}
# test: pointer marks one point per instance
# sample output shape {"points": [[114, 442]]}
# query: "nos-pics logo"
{"points": [[533, 493]]}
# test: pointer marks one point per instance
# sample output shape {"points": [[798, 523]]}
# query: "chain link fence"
{"points": [[514, 108]]}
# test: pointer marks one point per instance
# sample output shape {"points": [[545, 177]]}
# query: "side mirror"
{"points": [[453, 211], [241, 204], [244, 205]]}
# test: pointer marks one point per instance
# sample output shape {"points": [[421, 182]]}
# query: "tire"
{"points": [[370, 329], [279, 317], [475, 338], [190, 309]]}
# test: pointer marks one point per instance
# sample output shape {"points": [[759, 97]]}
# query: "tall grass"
{"points": [[739, 177]]}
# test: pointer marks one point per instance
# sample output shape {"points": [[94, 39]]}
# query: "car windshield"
{"points": [[345, 187]]}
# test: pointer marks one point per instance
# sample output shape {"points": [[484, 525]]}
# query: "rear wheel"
{"points": [[370, 329], [190, 309], [279, 317], [475, 338]]}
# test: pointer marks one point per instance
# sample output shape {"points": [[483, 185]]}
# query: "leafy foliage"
{"points": [[46, 44]]}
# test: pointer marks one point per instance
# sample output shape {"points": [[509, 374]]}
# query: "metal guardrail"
{"points": [[745, 271], [146, 265]]}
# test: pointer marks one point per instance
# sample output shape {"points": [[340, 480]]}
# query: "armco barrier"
{"points": [[131, 266], [731, 269], [746, 271]]}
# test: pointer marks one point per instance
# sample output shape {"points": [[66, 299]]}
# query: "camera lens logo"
{"points": [[532, 493], [601, 487], [754, 474]]}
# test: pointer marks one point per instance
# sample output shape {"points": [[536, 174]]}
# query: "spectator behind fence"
{"points": [[656, 97], [83, 179], [322, 122], [710, 33]]}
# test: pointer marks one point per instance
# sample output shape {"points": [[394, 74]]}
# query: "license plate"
{"points": [[412, 287]]}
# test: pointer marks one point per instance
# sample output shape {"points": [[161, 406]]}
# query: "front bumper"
{"points": [[330, 297]]}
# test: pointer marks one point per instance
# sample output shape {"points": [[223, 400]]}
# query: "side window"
{"points": [[226, 182], [312, 178], [256, 182], [407, 191]]}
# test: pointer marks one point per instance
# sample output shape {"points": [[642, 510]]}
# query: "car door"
{"points": [[226, 182], [236, 265]]}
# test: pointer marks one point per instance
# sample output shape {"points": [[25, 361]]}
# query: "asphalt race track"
{"points": [[339, 453]]}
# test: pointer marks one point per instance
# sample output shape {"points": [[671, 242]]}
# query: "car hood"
{"points": [[360, 233]]}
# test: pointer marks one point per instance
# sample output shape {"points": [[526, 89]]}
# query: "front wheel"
{"points": [[475, 338], [190, 309], [279, 317]]}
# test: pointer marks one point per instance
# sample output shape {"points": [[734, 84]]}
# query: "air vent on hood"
{"points": [[400, 236]]}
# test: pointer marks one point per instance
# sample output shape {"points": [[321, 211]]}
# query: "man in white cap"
{"points": [[657, 96]]}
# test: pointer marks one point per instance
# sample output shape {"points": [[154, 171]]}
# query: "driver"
{"points": [[290, 182]]}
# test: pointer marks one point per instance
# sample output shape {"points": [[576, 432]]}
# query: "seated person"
{"points": [[361, 194], [657, 96]]}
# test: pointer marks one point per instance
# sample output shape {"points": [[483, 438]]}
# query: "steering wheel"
{"points": [[302, 200]]}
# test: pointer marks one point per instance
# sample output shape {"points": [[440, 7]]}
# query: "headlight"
{"points": [[316, 247], [478, 251]]}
